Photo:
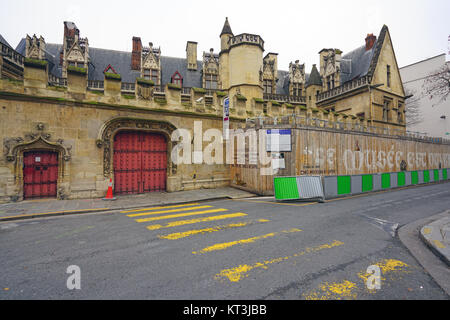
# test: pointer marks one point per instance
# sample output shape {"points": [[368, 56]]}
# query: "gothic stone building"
{"points": [[74, 116]]}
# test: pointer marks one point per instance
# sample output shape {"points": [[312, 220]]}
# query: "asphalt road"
{"points": [[227, 249]]}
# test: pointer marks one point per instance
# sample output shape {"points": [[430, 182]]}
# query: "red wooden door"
{"points": [[140, 162], [40, 174]]}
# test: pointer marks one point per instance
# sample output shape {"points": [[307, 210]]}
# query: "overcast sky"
{"points": [[296, 30]]}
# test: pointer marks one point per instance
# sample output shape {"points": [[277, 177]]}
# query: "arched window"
{"points": [[177, 79]]}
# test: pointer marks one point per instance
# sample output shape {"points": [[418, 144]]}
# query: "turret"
{"points": [[225, 35], [224, 67], [313, 87]]}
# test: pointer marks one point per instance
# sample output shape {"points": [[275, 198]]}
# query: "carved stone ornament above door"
{"points": [[35, 140]]}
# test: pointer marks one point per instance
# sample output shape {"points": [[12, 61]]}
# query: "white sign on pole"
{"points": [[226, 118]]}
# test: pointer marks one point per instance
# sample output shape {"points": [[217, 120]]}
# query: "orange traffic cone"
{"points": [[109, 194]]}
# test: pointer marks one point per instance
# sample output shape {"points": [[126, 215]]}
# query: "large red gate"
{"points": [[40, 174], [140, 162]]}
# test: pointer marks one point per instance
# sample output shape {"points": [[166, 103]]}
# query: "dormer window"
{"points": [[151, 74], [210, 81], [330, 82], [297, 90], [177, 79], [267, 86]]}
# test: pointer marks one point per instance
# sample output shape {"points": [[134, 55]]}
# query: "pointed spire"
{"points": [[226, 28], [314, 77]]}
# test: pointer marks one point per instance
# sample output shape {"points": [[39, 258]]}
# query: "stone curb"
{"points": [[409, 235], [436, 239]]}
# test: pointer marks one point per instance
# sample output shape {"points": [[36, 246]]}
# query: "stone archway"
{"points": [[38, 141], [105, 138]]}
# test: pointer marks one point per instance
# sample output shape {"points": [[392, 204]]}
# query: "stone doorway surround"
{"points": [[105, 141], [38, 140]]}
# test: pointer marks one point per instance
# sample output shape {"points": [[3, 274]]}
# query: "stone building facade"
{"points": [[76, 116]]}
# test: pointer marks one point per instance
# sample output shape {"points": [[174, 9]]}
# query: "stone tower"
{"points": [[244, 53], [224, 65], [313, 87]]}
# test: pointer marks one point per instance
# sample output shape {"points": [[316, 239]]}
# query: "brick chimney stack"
{"points": [[136, 54], [370, 41]]}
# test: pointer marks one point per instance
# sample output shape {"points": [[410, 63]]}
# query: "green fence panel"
{"points": [[367, 182], [444, 174], [386, 180], [401, 179], [285, 188], [436, 175], [344, 184], [426, 176], [414, 177]]}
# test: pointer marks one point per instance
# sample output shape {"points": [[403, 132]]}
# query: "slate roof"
{"points": [[355, 64], [191, 78], [282, 86], [121, 62], [226, 28], [359, 62], [3, 40], [314, 78]]}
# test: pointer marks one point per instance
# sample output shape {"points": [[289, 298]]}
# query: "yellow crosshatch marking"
{"points": [[159, 208], [225, 245], [166, 211], [192, 221], [336, 290], [349, 290], [238, 273], [172, 216], [180, 235]]}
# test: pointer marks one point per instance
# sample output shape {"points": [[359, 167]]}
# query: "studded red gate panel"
{"points": [[40, 174], [140, 162]]}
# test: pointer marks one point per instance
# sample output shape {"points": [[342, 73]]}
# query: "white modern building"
{"points": [[427, 113]]}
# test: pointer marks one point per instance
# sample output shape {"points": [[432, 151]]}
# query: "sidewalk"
{"points": [[52, 207], [436, 236]]}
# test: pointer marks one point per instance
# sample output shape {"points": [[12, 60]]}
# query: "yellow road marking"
{"points": [[180, 215], [166, 211], [225, 245], [180, 235], [159, 208], [439, 244], [236, 274], [336, 290], [349, 290], [192, 221]]}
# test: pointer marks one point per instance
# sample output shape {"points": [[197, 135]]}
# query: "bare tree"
{"points": [[412, 105], [437, 84]]}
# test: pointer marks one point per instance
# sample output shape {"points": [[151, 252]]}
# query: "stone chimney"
{"points": [[370, 41], [191, 55], [136, 54]]}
